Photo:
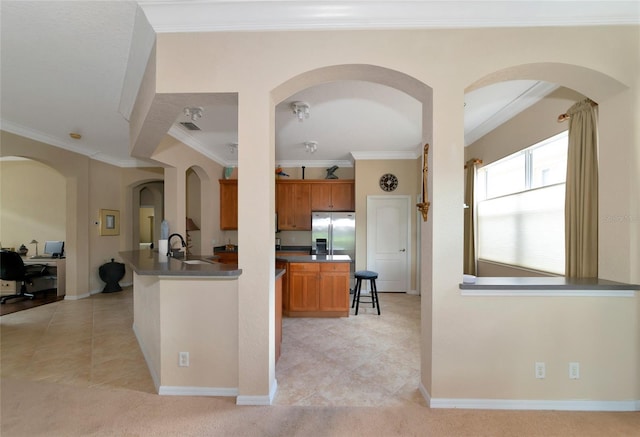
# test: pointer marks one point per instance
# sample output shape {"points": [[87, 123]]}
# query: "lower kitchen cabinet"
{"points": [[317, 289], [334, 283], [227, 257], [278, 290], [303, 286]]}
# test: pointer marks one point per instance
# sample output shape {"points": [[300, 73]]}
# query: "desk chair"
{"points": [[12, 268]]}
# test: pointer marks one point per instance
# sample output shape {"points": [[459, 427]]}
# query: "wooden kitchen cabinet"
{"points": [[228, 204], [278, 311], [285, 283], [293, 205], [317, 289], [227, 257], [334, 286], [331, 195], [303, 283]]}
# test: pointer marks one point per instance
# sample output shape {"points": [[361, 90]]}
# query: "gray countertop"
{"points": [[545, 283], [313, 258], [148, 262]]}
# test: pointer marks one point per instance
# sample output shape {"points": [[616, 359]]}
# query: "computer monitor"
{"points": [[54, 248]]}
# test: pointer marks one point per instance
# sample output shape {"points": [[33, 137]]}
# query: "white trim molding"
{"points": [[533, 404], [167, 16], [196, 391], [254, 400], [259, 400]]}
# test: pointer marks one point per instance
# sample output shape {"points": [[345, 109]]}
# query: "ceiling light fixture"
{"points": [[311, 146], [300, 110], [195, 113]]}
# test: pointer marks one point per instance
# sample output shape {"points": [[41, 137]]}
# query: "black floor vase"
{"points": [[111, 273]]}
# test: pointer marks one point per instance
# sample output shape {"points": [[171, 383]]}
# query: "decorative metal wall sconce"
{"points": [[424, 206]]}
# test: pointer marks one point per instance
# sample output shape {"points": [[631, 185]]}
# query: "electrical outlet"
{"points": [[541, 370], [574, 370], [183, 359]]}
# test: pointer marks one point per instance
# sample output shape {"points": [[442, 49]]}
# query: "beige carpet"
{"points": [[73, 368], [46, 409]]}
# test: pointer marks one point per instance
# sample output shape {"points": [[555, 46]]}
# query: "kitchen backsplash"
{"points": [[294, 238]]}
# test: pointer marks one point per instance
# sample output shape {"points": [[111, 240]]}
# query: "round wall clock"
{"points": [[388, 182]]}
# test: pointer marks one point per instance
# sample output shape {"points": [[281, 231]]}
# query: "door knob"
{"points": [[403, 250]]}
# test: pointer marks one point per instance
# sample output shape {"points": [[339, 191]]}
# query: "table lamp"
{"points": [[36, 243]]}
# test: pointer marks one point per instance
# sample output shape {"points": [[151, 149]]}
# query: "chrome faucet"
{"points": [[169, 253]]}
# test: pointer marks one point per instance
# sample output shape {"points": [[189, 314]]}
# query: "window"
{"points": [[521, 207]]}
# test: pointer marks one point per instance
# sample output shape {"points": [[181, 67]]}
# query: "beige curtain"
{"points": [[581, 202], [469, 266]]}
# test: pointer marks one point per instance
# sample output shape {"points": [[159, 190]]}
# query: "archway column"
{"points": [[441, 261], [256, 242]]}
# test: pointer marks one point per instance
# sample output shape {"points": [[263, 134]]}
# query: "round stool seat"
{"points": [[366, 274]]}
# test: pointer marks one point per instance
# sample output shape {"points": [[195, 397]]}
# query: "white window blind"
{"points": [[524, 229], [521, 207]]}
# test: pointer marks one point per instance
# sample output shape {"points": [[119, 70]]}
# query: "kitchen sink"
{"points": [[195, 261]]}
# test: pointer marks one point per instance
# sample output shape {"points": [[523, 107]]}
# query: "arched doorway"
{"points": [[148, 207], [401, 83]]}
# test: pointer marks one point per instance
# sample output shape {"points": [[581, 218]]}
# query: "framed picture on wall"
{"points": [[109, 222]]}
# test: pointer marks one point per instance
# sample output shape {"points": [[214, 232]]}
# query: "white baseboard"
{"points": [[425, 394], [523, 404], [274, 389], [254, 400], [92, 292], [169, 390], [81, 296]]}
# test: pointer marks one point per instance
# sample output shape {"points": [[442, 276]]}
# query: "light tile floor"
{"points": [[362, 360]]}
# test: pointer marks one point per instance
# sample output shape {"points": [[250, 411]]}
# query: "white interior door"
{"points": [[388, 244]]}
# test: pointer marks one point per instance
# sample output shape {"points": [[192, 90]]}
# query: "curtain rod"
{"points": [[473, 161], [565, 116]]}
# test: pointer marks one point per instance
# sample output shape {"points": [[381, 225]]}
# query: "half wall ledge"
{"points": [[547, 286]]}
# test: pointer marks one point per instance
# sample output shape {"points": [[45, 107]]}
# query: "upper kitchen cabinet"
{"points": [[293, 205], [333, 195], [228, 204]]}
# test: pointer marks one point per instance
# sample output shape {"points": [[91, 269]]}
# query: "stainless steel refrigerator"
{"points": [[338, 231]]}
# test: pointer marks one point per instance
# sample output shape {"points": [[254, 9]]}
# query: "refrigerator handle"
{"points": [[330, 239]]}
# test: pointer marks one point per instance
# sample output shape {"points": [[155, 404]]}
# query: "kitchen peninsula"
{"points": [[185, 317]]}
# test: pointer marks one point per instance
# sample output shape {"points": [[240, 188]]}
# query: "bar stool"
{"points": [[371, 276]]}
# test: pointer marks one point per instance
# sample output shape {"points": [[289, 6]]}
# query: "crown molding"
{"points": [[167, 16], [314, 163], [364, 156]]}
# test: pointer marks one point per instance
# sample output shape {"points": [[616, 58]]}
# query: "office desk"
{"points": [[56, 279]]}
